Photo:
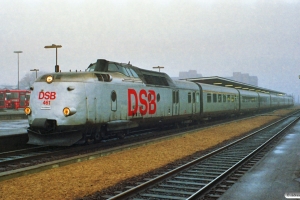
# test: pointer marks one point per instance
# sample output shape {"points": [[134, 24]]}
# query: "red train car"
{"points": [[14, 99]]}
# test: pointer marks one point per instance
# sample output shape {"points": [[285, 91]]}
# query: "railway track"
{"points": [[36, 159], [209, 176], [12, 157]]}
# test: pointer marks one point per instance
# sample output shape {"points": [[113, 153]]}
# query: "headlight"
{"points": [[27, 110], [69, 111], [49, 79]]}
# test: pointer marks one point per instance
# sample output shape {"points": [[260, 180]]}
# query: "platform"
{"points": [[12, 127], [275, 175], [9, 114]]}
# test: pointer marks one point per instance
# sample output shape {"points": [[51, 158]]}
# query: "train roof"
{"points": [[220, 81], [147, 76]]}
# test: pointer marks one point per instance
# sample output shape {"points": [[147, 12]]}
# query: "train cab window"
{"points": [[112, 67], [219, 98], [91, 68], [208, 97], [133, 73], [189, 98], [214, 98]]}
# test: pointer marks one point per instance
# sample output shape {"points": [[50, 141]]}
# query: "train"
{"points": [[109, 99], [14, 99]]}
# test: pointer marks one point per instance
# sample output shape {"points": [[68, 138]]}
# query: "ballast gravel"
{"points": [[78, 180]]}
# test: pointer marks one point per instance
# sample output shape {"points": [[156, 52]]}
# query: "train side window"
{"points": [[228, 98], [194, 97], [214, 98], [208, 97], [177, 96], [173, 95], [113, 96], [197, 97], [219, 98], [224, 97], [189, 98], [158, 97], [232, 98]]}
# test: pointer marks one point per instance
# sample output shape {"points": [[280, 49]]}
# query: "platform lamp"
{"points": [[35, 70], [18, 52], [158, 67], [55, 46]]}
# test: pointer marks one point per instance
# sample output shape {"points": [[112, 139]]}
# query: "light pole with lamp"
{"points": [[35, 70], [18, 52], [158, 67], [55, 46]]}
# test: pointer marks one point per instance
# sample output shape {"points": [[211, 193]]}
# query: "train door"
{"points": [[236, 102], [2, 100], [195, 99], [192, 102], [22, 100], [175, 101]]}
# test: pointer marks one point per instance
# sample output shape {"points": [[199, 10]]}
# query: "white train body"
{"points": [[111, 98]]}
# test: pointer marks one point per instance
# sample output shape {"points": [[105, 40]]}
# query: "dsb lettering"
{"points": [[146, 99], [47, 95]]}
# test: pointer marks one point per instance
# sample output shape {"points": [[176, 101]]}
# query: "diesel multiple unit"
{"points": [[109, 99]]}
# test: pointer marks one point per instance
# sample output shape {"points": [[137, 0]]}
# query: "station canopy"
{"points": [[220, 81]]}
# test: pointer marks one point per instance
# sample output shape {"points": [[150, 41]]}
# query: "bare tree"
{"points": [[29, 79]]}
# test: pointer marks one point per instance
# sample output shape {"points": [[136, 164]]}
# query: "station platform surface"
{"points": [[275, 176], [13, 122], [9, 114]]}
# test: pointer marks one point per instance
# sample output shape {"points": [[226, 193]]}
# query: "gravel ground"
{"points": [[105, 174]]}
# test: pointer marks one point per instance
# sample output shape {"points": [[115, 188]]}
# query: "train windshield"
{"points": [[91, 68], [113, 67]]}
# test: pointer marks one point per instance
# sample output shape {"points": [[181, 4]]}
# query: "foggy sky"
{"points": [[260, 37]]}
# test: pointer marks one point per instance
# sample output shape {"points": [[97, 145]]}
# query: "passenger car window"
{"points": [[208, 97], [214, 98]]}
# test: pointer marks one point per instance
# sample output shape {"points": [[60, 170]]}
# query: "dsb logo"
{"points": [[47, 95], [146, 99]]}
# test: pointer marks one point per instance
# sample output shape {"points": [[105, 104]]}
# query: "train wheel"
{"points": [[121, 135], [97, 137]]}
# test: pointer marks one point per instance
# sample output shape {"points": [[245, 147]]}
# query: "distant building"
{"points": [[189, 74], [244, 78]]}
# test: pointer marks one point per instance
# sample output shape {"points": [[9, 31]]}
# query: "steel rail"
{"points": [[142, 187]]}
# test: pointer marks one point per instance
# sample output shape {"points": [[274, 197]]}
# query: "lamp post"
{"points": [[158, 67], [18, 52], [36, 70], [54, 46]]}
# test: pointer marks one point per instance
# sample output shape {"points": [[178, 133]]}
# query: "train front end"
{"points": [[56, 112]]}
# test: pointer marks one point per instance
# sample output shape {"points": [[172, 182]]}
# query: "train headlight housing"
{"points": [[49, 79], [69, 111], [27, 110]]}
